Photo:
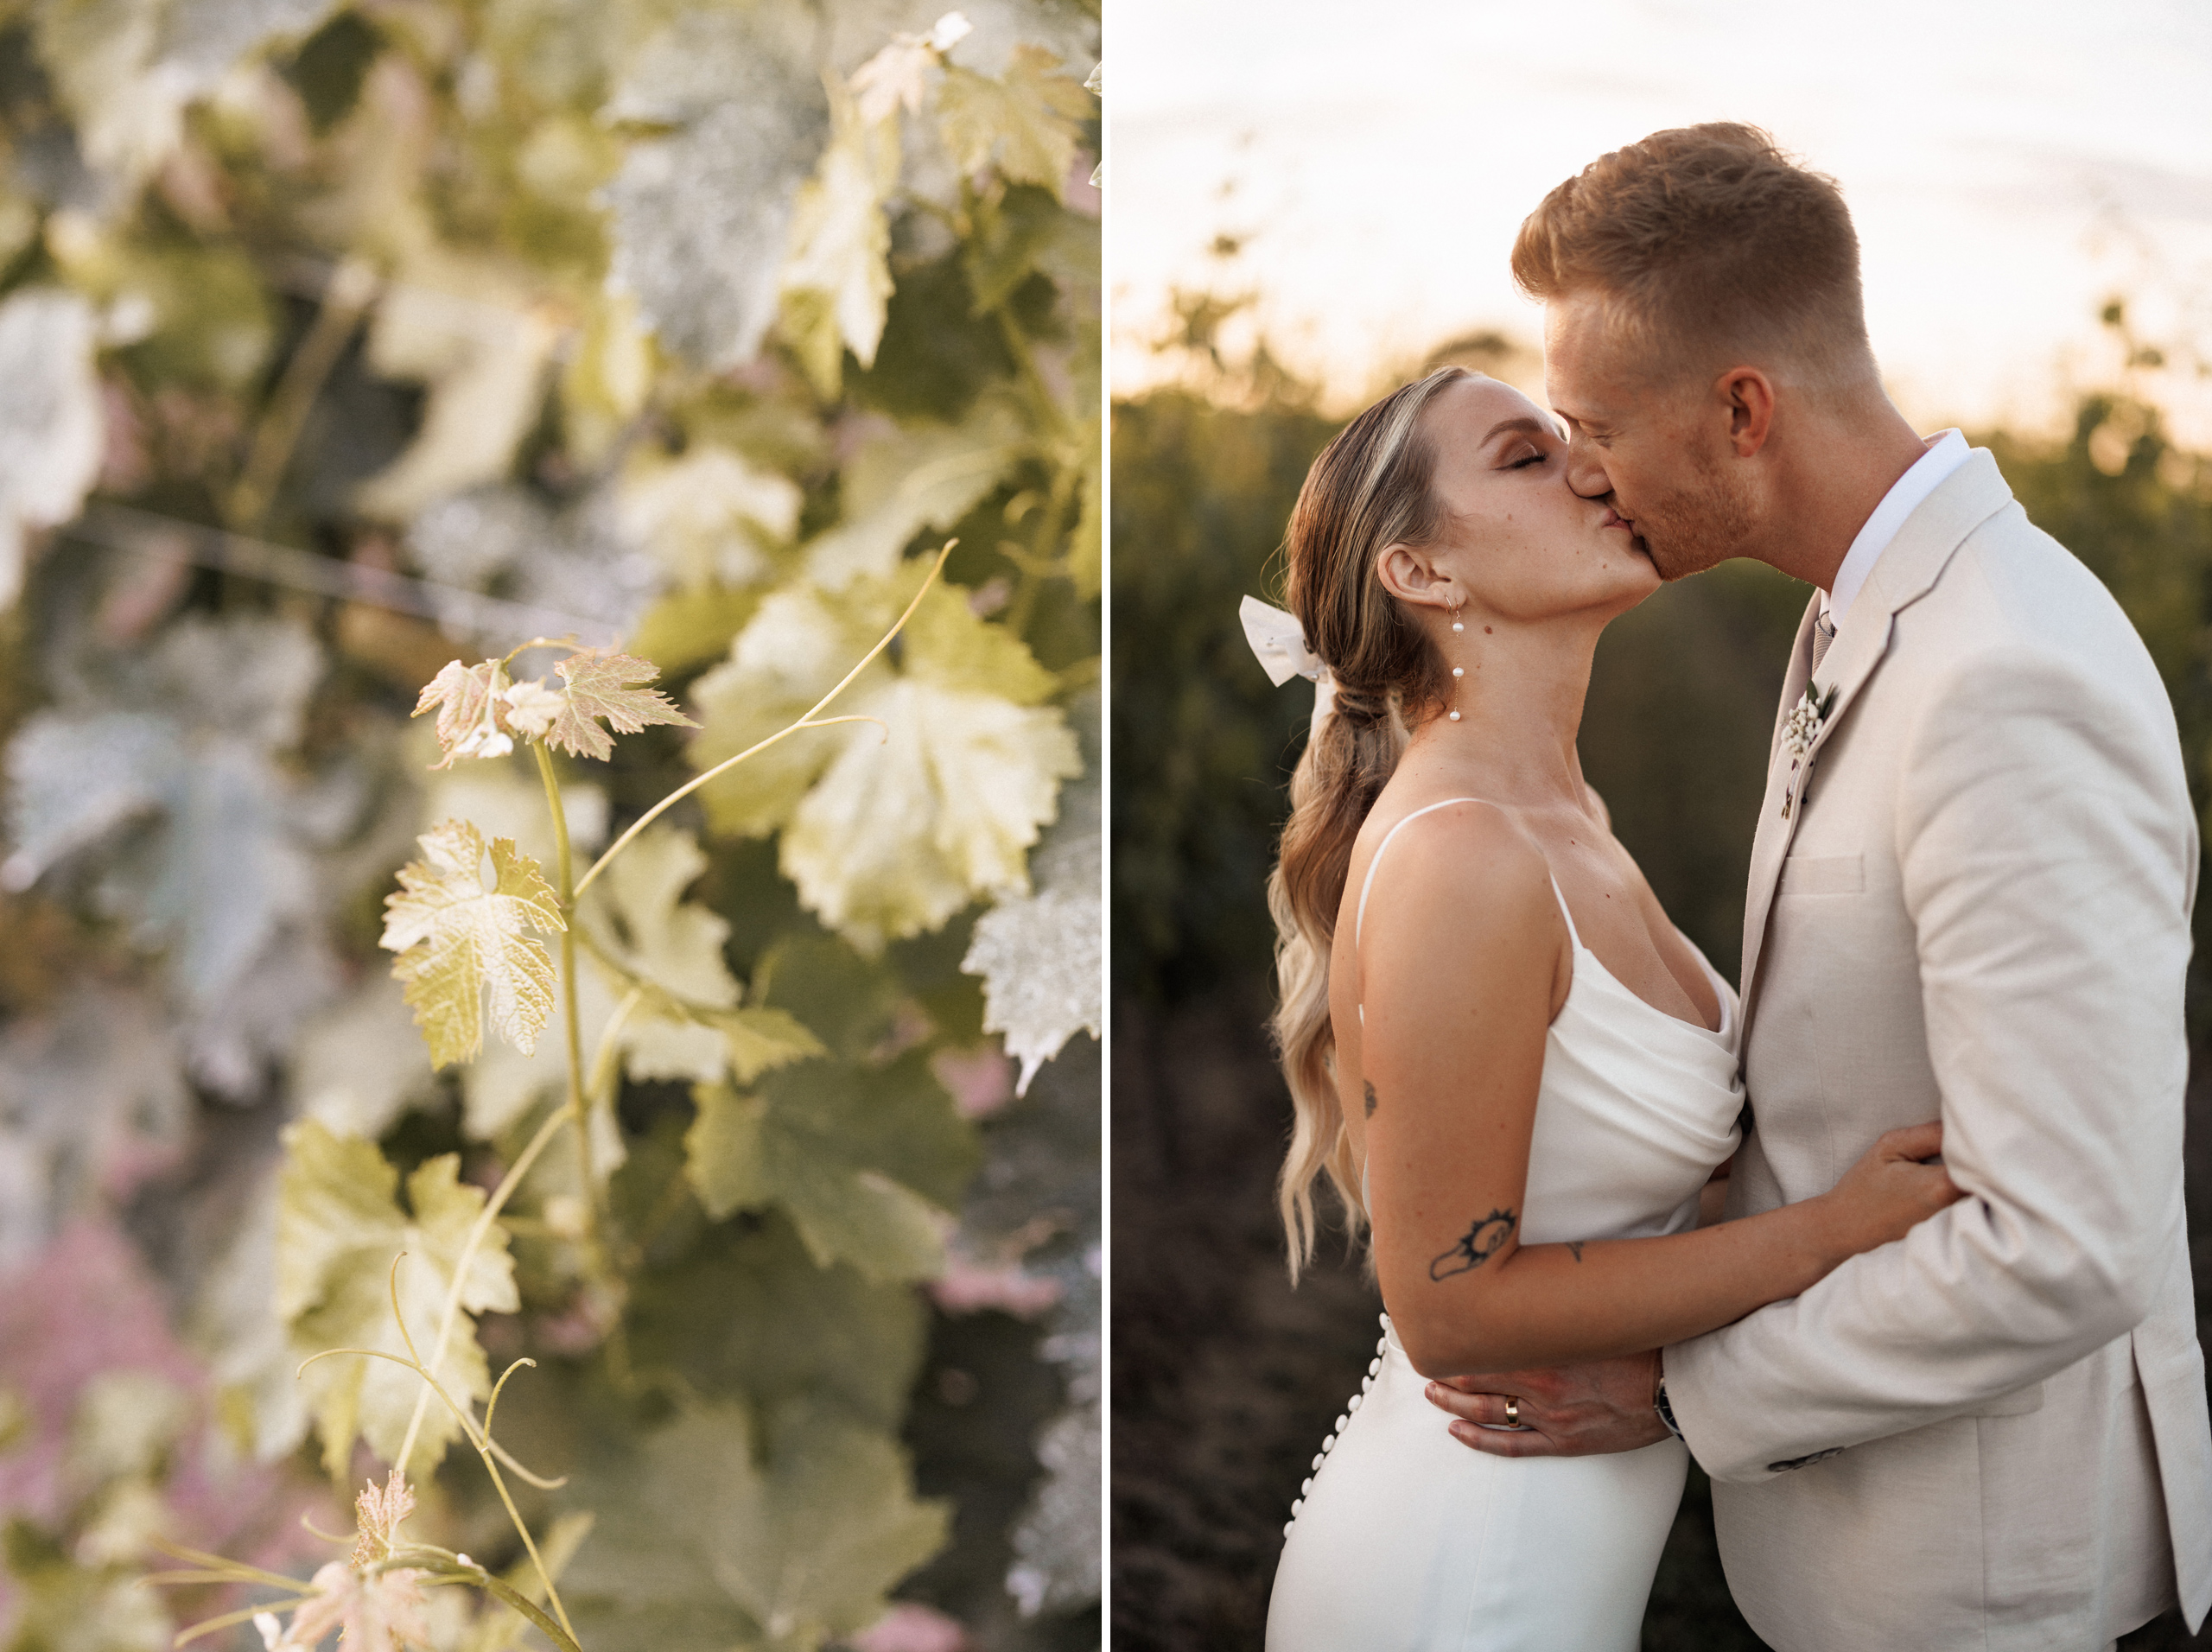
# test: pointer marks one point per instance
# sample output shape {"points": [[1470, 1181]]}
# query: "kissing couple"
{"points": [[1892, 1244]]}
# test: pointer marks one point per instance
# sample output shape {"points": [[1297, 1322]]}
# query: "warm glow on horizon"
{"points": [[2009, 166]]}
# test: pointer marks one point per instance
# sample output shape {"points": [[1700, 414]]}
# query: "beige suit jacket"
{"points": [[1992, 1433]]}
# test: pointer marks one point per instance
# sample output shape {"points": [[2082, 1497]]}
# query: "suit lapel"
{"points": [[1906, 570], [1770, 847]]}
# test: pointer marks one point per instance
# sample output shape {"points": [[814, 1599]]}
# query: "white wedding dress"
{"points": [[1406, 1540]]}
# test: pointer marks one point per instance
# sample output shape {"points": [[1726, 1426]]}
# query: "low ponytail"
{"points": [[1368, 490]]}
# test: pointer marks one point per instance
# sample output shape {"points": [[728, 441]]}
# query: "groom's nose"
{"points": [[1586, 471]]}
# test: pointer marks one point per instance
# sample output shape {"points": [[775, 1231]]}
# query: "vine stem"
{"points": [[352, 289], [479, 1438], [809, 720], [477, 1231]]}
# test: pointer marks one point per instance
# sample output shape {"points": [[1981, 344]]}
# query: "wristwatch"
{"points": [[1666, 1412]]}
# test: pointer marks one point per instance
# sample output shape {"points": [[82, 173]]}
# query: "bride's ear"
{"points": [[1408, 575]]}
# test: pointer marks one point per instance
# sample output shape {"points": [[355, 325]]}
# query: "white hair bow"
{"points": [[1280, 646]]}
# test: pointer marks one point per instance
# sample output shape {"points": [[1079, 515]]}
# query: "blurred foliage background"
{"points": [[1225, 1379], [340, 340]]}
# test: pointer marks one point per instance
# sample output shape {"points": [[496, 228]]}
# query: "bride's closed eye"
{"points": [[1535, 456]]}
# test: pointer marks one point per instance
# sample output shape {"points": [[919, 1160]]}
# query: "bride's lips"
{"points": [[1615, 519]]}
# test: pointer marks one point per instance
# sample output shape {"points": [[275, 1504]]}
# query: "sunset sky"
{"points": [[2009, 163]]}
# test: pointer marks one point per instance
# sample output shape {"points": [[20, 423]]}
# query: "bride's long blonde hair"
{"points": [[1371, 489]]}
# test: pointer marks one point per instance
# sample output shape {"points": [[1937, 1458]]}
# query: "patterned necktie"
{"points": [[1823, 634]]}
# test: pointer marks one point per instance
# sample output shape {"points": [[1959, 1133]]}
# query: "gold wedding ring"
{"points": [[1512, 1411]]}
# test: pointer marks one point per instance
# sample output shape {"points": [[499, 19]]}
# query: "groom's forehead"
{"points": [[1585, 356]]}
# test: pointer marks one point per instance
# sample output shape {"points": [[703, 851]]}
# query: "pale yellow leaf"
{"points": [[459, 938], [1024, 121]]}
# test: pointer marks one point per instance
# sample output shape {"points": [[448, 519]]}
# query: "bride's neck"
{"points": [[1519, 705]]}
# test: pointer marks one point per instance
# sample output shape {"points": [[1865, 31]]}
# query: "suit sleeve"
{"points": [[2047, 849]]}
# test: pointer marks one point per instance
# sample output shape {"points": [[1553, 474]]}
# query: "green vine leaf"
{"points": [[771, 1538], [339, 1226], [867, 1161], [458, 938]]}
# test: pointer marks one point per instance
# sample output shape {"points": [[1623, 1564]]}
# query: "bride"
{"points": [[1516, 1072]]}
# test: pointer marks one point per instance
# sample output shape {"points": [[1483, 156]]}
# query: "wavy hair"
{"points": [[1372, 487]]}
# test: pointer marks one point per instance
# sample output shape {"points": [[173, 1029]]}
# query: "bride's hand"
{"points": [[1889, 1191]]}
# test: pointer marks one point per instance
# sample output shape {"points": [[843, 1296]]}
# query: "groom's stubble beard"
{"points": [[1703, 522]]}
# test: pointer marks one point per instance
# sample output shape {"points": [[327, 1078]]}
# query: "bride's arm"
{"points": [[1461, 948]]}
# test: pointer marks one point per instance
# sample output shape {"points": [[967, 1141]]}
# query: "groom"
{"points": [[1969, 897]]}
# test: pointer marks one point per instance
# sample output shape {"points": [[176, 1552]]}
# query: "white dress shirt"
{"points": [[1946, 453]]}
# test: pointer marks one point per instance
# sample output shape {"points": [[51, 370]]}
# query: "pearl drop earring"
{"points": [[1457, 671]]}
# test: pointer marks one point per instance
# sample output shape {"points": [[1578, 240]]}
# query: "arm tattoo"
{"points": [[1483, 1240], [1574, 1248], [1370, 1101]]}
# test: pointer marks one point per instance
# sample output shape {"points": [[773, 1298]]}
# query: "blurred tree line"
{"points": [[1220, 1371]]}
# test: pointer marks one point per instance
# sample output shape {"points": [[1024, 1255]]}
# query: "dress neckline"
{"points": [[1573, 935]]}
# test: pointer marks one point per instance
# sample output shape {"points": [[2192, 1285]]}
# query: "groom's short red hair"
{"points": [[1707, 239]]}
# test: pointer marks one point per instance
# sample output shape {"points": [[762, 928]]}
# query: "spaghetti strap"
{"points": [[1571, 934], [1367, 888]]}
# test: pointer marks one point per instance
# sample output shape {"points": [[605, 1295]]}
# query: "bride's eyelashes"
{"points": [[1480, 1242], [1526, 460]]}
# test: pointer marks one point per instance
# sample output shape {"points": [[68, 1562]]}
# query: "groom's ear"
{"points": [[1748, 395]]}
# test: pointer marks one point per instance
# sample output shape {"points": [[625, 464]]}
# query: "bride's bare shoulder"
{"points": [[1454, 860]]}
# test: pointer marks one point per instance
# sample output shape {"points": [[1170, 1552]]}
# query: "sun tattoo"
{"points": [[1483, 1241], [1371, 1099], [1575, 1248]]}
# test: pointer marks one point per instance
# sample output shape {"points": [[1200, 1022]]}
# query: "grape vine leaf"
{"points": [[796, 646], [865, 1160], [339, 1227], [908, 480], [1058, 1539], [574, 565], [458, 938], [468, 723], [783, 1326], [128, 68], [186, 738], [471, 331], [707, 515], [771, 1538], [51, 429], [688, 1024], [886, 837], [91, 1100], [599, 682], [1027, 120], [703, 217], [899, 834], [836, 279], [358, 1064], [1042, 956]]}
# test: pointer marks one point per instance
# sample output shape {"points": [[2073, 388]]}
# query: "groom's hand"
{"points": [[1569, 1411]]}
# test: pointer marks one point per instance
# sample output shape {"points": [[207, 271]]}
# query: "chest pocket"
{"points": [[1824, 874]]}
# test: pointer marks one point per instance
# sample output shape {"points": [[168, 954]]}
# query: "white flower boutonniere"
{"points": [[1799, 731]]}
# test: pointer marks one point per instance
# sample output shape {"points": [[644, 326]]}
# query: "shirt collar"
{"points": [[1946, 453]]}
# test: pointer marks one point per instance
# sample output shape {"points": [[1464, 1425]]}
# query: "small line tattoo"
{"points": [[1483, 1240], [1575, 1248], [1370, 1100]]}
